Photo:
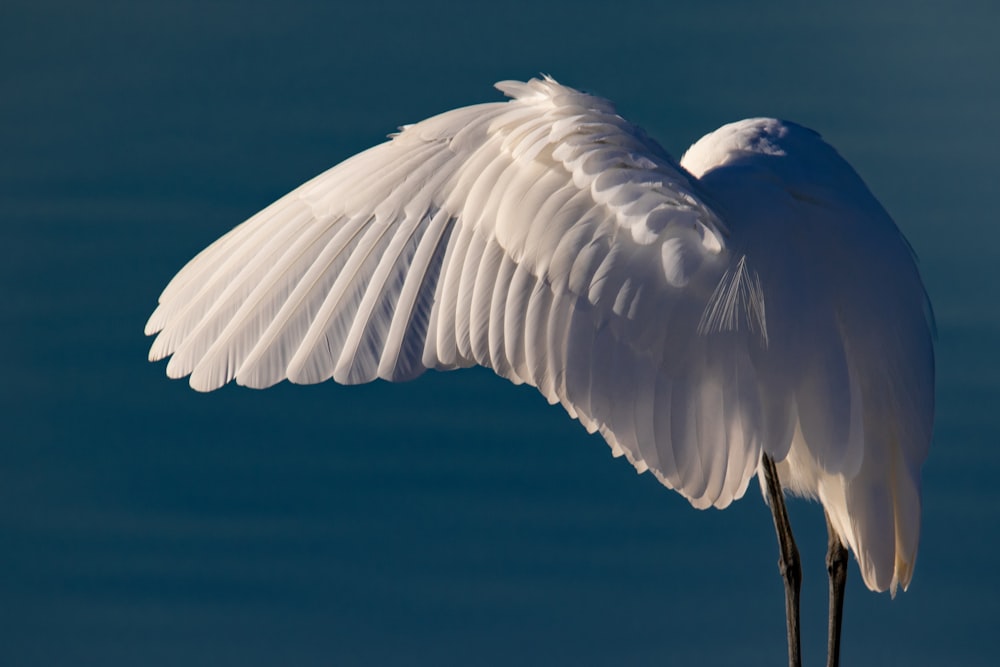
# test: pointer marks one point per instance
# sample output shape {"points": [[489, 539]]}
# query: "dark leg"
{"points": [[836, 566], [788, 563]]}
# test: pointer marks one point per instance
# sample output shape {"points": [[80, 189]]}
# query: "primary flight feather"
{"points": [[752, 300]]}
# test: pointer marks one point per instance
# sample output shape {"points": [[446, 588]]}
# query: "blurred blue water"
{"points": [[455, 520]]}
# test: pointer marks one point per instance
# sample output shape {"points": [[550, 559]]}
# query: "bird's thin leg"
{"points": [[836, 566], [788, 563]]}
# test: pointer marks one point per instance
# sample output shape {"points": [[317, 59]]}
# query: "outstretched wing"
{"points": [[544, 237]]}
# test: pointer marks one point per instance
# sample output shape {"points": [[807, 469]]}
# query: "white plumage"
{"points": [[753, 298]]}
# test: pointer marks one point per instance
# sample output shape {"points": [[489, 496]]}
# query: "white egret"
{"points": [[751, 310]]}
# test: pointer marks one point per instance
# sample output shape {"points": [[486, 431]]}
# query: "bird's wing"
{"points": [[545, 237]]}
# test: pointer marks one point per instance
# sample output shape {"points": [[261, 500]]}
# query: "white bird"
{"points": [[751, 310]]}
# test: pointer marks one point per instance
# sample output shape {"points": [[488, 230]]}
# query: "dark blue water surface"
{"points": [[455, 520]]}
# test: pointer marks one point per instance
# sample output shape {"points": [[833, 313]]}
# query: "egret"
{"points": [[751, 310]]}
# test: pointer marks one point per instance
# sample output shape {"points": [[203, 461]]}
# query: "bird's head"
{"points": [[784, 154]]}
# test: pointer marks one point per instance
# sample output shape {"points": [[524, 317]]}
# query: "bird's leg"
{"points": [[836, 566], [788, 563]]}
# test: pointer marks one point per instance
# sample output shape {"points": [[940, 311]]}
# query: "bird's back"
{"points": [[847, 373]]}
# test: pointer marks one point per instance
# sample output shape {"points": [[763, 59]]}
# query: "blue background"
{"points": [[455, 520]]}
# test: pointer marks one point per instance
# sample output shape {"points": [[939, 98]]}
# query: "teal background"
{"points": [[455, 520]]}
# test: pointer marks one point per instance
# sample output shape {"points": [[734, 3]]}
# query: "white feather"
{"points": [[757, 299]]}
